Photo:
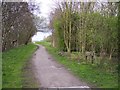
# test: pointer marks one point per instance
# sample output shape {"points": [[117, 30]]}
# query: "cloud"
{"points": [[45, 7], [40, 36]]}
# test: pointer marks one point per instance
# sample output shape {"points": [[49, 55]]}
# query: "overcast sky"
{"points": [[45, 6], [45, 9]]}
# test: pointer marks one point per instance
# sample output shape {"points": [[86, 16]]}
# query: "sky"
{"points": [[45, 6], [40, 36], [45, 9]]}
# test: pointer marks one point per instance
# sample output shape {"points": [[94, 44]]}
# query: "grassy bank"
{"points": [[89, 73], [0, 70], [13, 62]]}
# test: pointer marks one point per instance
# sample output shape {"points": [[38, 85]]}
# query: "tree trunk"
{"points": [[111, 52], [53, 41]]}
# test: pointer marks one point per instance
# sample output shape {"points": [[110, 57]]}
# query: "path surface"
{"points": [[50, 74]]}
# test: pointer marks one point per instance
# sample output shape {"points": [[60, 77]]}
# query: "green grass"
{"points": [[87, 72], [0, 70], [13, 62]]}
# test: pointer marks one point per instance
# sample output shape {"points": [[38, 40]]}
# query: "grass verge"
{"points": [[0, 70], [89, 73], [13, 61]]}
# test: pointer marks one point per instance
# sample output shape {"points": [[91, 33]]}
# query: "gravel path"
{"points": [[50, 74]]}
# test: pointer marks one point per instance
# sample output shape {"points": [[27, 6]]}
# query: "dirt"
{"points": [[29, 79], [51, 74]]}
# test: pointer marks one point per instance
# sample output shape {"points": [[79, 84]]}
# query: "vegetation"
{"points": [[0, 70], [88, 29], [14, 61], [84, 38], [17, 24], [85, 29], [92, 74], [84, 32]]}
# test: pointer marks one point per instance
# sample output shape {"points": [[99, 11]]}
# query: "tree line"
{"points": [[17, 24], [86, 27]]}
